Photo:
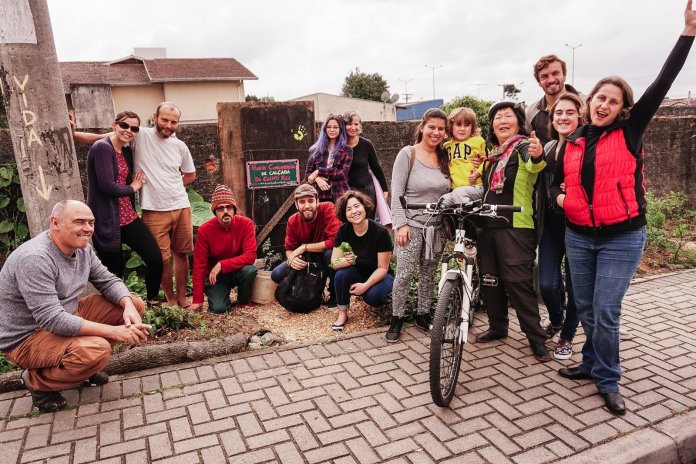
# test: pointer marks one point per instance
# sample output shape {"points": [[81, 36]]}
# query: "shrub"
{"points": [[165, 318]]}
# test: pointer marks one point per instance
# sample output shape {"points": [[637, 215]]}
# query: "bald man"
{"points": [[60, 340]]}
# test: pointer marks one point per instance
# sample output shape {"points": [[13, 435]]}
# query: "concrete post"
{"points": [[37, 113]]}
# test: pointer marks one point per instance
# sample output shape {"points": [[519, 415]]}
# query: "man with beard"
{"points": [[311, 229], [61, 340], [224, 255], [550, 74], [166, 211]]}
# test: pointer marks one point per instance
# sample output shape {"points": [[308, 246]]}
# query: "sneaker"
{"points": [[394, 332], [564, 349], [423, 322], [552, 330], [624, 334], [45, 401]]}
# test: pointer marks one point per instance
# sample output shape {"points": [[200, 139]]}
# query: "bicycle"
{"points": [[458, 294]]}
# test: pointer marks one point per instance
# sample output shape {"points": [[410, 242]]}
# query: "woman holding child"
{"points": [[604, 201], [421, 174], [361, 255]]}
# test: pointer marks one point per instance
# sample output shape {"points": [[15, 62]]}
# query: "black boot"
{"points": [[394, 332]]}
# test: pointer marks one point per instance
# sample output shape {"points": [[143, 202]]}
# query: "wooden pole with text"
{"points": [[37, 113]]}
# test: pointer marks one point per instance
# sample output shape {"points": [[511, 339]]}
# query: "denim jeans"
{"points": [[282, 270], [602, 268], [552, 252], [377, 295]]}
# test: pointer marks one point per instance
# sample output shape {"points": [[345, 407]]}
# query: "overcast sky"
{"points": [[301, 47]]}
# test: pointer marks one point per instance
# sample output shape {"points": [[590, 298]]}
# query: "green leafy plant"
{"points": [[200, 209], [269, 256], [165, 318], [671, 226], [13, 219], [6, 365]]}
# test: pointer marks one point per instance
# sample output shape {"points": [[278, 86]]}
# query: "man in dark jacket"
{"points": [[550, 73]]}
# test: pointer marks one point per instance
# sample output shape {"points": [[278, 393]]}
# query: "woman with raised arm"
{"points": [[330, 160], [112, 184], [604, 202]]}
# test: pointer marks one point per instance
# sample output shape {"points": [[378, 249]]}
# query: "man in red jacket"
{"points": [[224, 255], [311, 229]]}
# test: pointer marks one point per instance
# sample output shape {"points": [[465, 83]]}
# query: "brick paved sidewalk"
{"points": [[361, 400]]}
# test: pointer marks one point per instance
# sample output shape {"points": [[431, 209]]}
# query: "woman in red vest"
{"points": [[601, 165]]}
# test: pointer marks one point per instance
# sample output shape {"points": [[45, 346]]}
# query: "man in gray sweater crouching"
{"points": [[60, 340]]}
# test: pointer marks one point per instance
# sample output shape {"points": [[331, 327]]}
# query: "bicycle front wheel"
{"points": [[446, 343]]}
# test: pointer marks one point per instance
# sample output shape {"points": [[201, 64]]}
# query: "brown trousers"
{"points": [[55, 362]]}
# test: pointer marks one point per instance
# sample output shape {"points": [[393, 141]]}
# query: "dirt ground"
{"points": [[290, 327]]}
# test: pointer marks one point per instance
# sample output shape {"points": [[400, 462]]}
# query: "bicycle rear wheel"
{"points": [[446, 343]]}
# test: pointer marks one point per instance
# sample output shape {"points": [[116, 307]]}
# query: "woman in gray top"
{"points": [[421, 174]]}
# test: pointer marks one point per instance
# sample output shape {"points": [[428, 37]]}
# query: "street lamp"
{"points": [[572, 79], [433, 68]]}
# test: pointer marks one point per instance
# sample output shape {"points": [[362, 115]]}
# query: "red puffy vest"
{"points": [[614, 198]]}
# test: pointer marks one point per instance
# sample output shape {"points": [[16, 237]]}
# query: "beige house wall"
{"points": [[143, 99], [325, 104], [198, 100]]}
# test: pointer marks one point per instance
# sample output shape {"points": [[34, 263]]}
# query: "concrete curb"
{"points": [[672, 441]]}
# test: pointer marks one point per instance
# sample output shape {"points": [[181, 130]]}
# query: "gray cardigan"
{"points": [[425, 185], [40, 288]]}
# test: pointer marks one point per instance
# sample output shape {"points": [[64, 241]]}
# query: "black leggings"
{"points": [[139, 239]]}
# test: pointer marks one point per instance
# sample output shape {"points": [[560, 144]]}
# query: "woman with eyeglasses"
{"points": [[330, 160], [112, 184]]}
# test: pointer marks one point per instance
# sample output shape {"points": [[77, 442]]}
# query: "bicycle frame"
{"points": [[464, 252]]}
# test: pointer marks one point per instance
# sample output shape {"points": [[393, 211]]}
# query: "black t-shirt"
{"points": [[376, 240]]}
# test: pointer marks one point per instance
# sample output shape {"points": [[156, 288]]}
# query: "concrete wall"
{"points": [[143, 99], [93, 105], [325, 104], [670, 151], [198, 100]]}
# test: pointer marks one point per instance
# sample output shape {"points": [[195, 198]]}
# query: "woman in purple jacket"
{"points": [[112, 184]]}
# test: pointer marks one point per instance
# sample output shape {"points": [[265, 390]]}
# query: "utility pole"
{"points": [[433, 68], [406, 94], [37, 113], [572, 78], [478, 89]]}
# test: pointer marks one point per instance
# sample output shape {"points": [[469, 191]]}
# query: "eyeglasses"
{"points": [[124, 125], [223, 208]]}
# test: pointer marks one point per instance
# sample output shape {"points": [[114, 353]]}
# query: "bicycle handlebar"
{"points": [[474, 207]]}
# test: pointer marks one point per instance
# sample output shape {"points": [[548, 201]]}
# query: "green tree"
{"points": [[254, 98], [479, 106], [362, 85]]}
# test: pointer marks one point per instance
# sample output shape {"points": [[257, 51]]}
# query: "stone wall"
{"points": [[670, 150]]}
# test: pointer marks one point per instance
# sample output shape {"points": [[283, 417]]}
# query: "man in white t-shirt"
{"points": [[168, 167]]}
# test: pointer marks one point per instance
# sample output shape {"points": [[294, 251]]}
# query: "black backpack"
{"points": [[303, 291]]}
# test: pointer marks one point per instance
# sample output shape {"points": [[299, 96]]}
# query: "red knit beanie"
{"points": [[222, 196]]}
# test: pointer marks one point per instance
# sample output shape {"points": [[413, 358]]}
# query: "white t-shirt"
{"points": [[163, 161]]}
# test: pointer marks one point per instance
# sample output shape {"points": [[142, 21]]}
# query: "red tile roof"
{"points": [[136, 71]]}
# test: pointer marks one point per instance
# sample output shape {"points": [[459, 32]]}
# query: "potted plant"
{"points": [[263, 291]]}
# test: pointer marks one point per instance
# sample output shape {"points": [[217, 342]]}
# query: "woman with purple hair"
{"points": [[330, 159]]}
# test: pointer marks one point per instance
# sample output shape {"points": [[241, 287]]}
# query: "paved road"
{"points": [[361, 400]]}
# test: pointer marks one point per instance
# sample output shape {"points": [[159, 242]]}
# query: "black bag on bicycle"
{"points": [[303, 291]]}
